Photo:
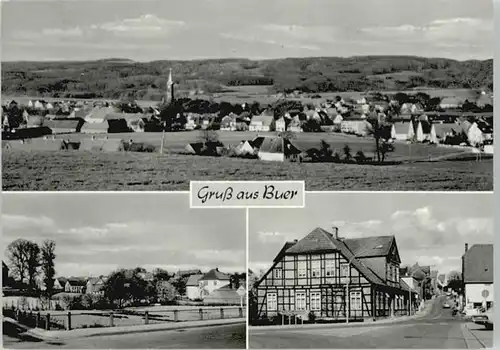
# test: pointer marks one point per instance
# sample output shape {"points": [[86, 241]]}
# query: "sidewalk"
{"points": [[93, 332], [389, 320]]}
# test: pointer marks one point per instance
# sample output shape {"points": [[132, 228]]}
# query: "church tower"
{"points": [[170, 88]]}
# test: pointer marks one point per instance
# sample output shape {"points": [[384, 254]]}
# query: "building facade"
{"points": [[477, 270], [335, 278]]}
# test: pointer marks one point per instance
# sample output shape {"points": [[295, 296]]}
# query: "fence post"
{"points": [[146, 318], [38, 319], [241, 311], [47, 323], [18, 315], [221, 313], [111, 322], [68, 324], [201, 314], [176, 315]]}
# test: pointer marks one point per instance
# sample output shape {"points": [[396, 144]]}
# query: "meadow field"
{"points": [[71, 171]]}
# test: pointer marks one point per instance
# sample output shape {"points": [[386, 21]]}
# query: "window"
{"points": [[302, 269], [344, 270], [330, 268], [300, 301], [355, 300], [315, 301], [278, 272], [316, 269], [272, 302]]}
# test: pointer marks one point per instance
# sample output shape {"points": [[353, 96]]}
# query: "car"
{"points": [[484, 318], [446, 306]]}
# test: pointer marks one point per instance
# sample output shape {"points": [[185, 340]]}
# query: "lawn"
{"points": [[81, 171]]}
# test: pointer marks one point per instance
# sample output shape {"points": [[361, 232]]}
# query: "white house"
{"points": [[402, 131], [38, 105], [359, 127], [280, 124], [95, 286], [426, 132], [263, 122], [477, 271], [74, 285], [450, 102], [212, 280], [193, 291]]}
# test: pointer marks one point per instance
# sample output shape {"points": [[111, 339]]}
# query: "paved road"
{"points": [[215, 337], [437, 330]]}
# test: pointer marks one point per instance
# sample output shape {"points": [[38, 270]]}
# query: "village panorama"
{"points": [[389, 128]]}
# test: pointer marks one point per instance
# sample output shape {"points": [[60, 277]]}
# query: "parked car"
{"points": [[485, 318], [446, 306]]}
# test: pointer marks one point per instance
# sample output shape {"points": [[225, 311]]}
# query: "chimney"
{"points": [[295, 240], [335, 232], [217, 269], [466, 247]]}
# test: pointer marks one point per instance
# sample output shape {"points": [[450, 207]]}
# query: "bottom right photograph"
{"points": [[373, 270]]}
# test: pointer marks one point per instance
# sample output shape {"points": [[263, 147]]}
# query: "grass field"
{"points": [[70, 171]]}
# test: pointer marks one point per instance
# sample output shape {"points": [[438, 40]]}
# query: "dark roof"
{"points": [[286, 246], [478, 264], [426, 126], [193, 280], [77, 282], [214, 274], [320, 240], [183, 273], [370, 246], [63, 123]]}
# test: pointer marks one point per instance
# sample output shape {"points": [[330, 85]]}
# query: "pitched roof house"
{"points": [[211, 281], [263, 122], [477, 272], [193, 291], [335, 278]]}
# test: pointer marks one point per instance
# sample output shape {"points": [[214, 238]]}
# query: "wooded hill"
{"points": [[115, 78]]}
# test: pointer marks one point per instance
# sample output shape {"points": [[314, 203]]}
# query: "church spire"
{"points": [[170, 87]]}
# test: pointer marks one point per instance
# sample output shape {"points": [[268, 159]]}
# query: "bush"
{"points": [[347, 153], [360, 157], [311, 316], [336, 158]]}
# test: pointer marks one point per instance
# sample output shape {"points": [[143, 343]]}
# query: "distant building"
{"points": [[74, 285], [95, 286], [262, 123], [212, 280], [193, 291]]}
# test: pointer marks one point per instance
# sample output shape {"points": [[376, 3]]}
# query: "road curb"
{"points": [[469, 338], [94, 332]]}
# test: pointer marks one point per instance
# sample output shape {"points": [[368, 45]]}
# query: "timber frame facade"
{"points": [[335, 279]]}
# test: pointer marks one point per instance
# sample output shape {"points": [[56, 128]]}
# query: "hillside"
{"points": [[115, 78]]}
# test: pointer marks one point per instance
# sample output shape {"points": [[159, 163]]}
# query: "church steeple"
{"points": [[170, 87]]}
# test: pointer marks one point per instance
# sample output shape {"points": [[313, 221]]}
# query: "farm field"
{"points": [[69, 171], [176, 142], [248, 94]]}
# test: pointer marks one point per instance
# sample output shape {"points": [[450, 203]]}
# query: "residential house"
{"points": [[245, 148], [38, 105], [402, 131], [95, 286], [191, 123], [280, 124], [443, 130], [64, 126], [193, 291], [477, 272], [228, 123], [75, 285], [425, 132], [98, 114], [187, 273], [277, 149], [356, 126], [450, 103], [95, 128], [212, 280], [60, 283], [263, 122], [295, 124], [335, 278], [415, 285], [483, 100]]}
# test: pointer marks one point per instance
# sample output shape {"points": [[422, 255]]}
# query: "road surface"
{"points": [[437, 330], [215, 337]]}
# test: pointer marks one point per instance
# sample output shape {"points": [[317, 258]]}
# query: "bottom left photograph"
{"points": [[121, 270]]}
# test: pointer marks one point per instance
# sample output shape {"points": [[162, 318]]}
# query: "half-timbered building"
{"points": [[336, 279]]}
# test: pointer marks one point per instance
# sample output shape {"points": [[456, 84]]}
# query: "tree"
{"points": [[18, 258], [33, 263], [115, 288], [180, 285], [166, 292], [208, 136], [455, 282], [347, 152], [47, 262]]}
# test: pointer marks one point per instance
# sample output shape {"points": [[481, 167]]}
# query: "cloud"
{"points": [[286, 36], [271, 236], [449, 32], [11, 222], [144, 26]]}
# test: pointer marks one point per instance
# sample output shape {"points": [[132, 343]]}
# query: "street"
{"points": [[216, 337], [437, 330]]}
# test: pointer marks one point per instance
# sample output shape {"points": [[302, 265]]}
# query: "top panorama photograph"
{"points": [[149, 95]]}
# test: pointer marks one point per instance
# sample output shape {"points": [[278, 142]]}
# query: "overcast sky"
{"points": [[185, 29], [98, 233], [430, 229]]}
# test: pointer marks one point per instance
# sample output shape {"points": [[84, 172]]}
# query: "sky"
{"points": [[148, 30], [97, 233], [430, 228]]}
